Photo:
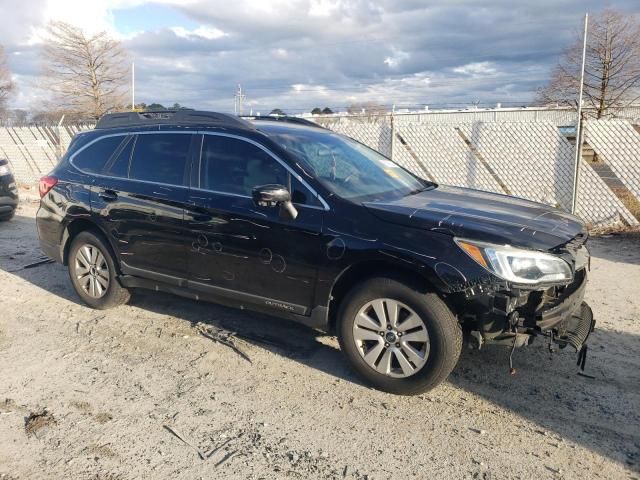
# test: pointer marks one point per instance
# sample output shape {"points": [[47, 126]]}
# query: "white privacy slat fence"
{"points": [[529, 159], [532, 159], [617, 143], [33, 151]]}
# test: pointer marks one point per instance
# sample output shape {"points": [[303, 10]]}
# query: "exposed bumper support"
{"points": [[576, 330]]}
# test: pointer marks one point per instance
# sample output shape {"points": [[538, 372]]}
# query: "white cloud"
{"points": [[208, 33], [280, 53], [322, 8], [296, 54], [476, 69], [319, 90]]}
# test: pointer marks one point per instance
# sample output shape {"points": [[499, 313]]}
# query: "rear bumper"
{"points": [[52, 251]]}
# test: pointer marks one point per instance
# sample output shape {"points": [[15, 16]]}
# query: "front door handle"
{"points": [[108, 195]]}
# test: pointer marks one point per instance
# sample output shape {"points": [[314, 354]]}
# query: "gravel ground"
{"points": [[138, 392]]}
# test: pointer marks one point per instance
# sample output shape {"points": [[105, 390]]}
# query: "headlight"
{"points": [[4, 170], [517, 265]]}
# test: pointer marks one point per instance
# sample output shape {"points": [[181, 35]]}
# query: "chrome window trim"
{"points": [[324, 207], [240, 195], [124, 134]]}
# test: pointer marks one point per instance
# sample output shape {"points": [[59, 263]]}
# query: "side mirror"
{"points": [[275, 196]]}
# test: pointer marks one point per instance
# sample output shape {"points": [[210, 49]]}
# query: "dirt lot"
{"points": [[105, 395]]}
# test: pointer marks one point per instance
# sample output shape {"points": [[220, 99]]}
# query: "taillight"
{"points": [[46, 184]]}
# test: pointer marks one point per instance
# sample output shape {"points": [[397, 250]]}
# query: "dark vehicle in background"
{"points": [[282, 216], [8, 192]]}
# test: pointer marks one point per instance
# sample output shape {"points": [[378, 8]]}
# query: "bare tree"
{"points": [[88, 74], [6, 84], [612, 67]]}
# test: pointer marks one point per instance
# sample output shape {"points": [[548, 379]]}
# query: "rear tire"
{"points": [[93, 272], [380, 351]]}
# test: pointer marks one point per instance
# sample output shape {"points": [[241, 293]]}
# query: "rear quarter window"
{"points": [[93, 158]]}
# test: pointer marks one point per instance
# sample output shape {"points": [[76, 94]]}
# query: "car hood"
{"points": [[482, 216]]}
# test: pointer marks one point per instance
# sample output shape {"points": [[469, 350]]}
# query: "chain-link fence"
{"points": [[528, 158], [34, 150]]}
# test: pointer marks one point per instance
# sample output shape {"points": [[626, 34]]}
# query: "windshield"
{"points": [[346, 167]]}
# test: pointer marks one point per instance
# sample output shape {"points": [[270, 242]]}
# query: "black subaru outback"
{"points": [[282, 216]]}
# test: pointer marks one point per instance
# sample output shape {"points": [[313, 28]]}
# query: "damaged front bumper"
{"points": [[568, 320], [514, 318]]}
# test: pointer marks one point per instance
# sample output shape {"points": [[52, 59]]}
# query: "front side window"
{"points": [[160, 157], [344, 166], [93, 158], [231, 165]]}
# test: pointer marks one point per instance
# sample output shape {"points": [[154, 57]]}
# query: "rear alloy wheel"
{"points": [[398, 337], [93, 272]]}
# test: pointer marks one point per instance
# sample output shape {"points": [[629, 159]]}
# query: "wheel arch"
{"points": [[78, 226], [425, 280]]}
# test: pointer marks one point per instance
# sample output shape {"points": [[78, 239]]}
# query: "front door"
{"points": [[243, 251], [139, 200]]}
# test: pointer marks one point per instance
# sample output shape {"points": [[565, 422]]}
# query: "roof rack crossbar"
{"points": [[172, 117]]}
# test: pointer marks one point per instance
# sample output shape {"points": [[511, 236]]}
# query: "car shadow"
{"points": [[600, 413]]}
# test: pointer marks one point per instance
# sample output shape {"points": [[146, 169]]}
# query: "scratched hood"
{"points": [[482, 216]]}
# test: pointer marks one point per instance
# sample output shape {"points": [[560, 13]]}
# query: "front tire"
{"points": [[398, 338], [93, 272]]}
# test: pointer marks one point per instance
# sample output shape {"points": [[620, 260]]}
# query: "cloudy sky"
{"points": [[297, 54]]}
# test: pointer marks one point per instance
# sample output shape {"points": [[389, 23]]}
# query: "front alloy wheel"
{"points": [[398, 335], [391, 338]]}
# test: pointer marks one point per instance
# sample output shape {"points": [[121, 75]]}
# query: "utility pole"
{"points": [[133, 86], [576, 171], [238, 99]]}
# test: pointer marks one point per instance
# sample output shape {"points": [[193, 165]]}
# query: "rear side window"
{"points": [[93, 158], [230, 165], [161, 158]]}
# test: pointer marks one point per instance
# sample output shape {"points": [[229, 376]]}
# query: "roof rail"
{"points": [[285, 119], [172, 117]]}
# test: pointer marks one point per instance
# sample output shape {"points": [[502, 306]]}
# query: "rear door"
{"points": [[243, 251], [139, 200]]}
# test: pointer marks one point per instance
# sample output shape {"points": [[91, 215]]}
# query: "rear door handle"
{"points": [[108, 195]]}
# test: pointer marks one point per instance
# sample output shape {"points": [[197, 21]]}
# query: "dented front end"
{"points": [[513, 315], [511, 269]]}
